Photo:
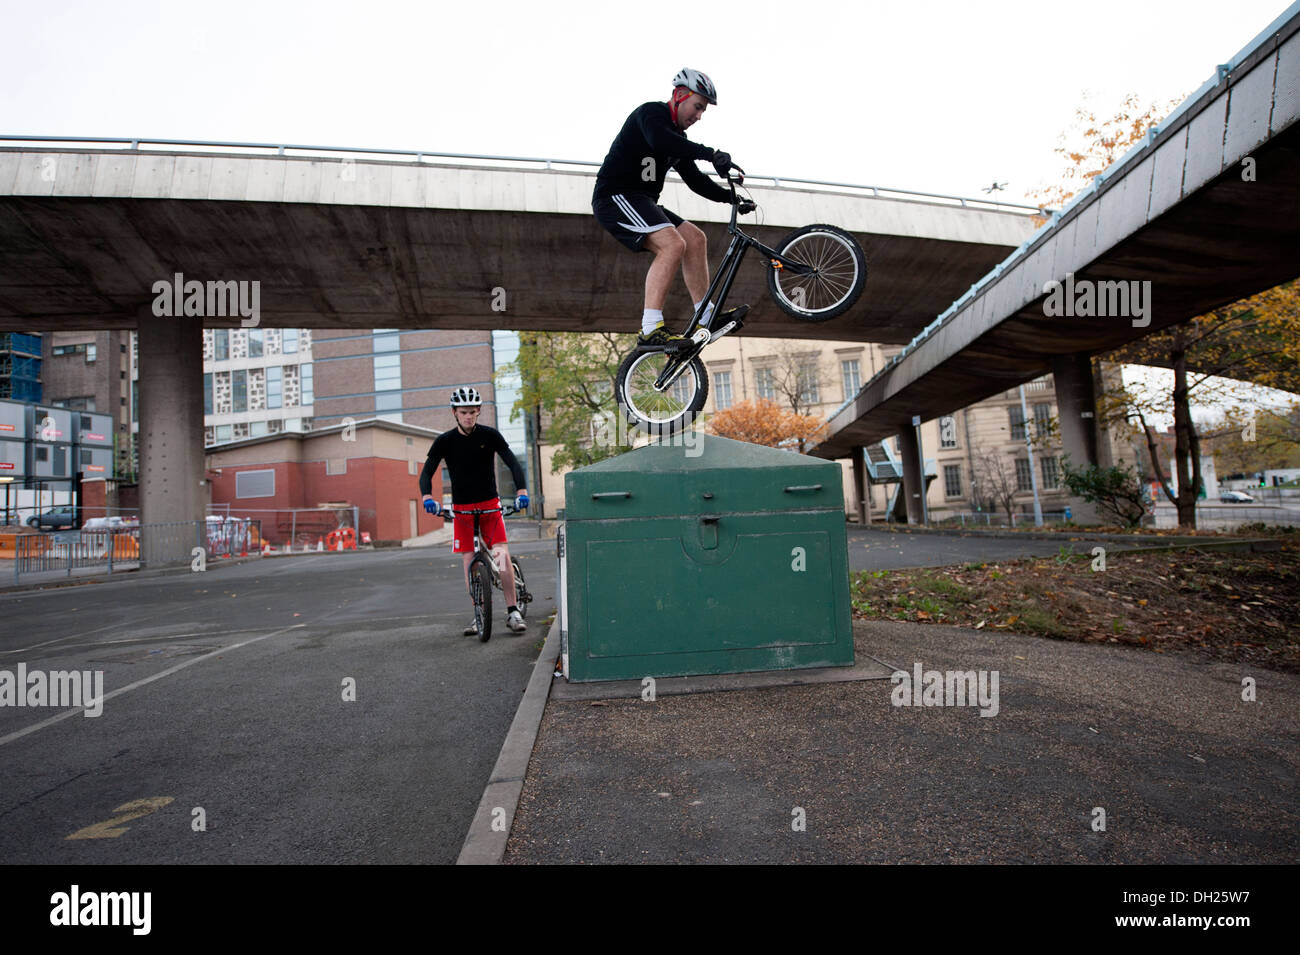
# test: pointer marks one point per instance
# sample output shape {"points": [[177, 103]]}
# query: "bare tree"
{"points": [[798, 375], [995, 481]]}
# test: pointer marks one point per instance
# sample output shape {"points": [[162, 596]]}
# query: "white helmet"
{"points": [[464, 396], [697, 82]]}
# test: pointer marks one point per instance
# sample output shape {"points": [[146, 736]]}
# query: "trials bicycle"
{"points": [[484, 575], [814, 274]]}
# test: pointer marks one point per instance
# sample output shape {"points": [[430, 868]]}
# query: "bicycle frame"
{"points": [[479, 546], [720, 285]]}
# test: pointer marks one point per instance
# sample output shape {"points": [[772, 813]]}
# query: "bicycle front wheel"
{"points": [[838, 277], [660, 412], [480, 591]]}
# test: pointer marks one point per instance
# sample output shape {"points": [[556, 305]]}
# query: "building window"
{"points": [[220, 344], [289, 341], [40, 453], [387, 339], [952, 480], [809, 385], [307, 396], [1024, 476], [207, 392], [223, 433], [1042, 418], [257, 429], [947, 432], [765, 383], [388, 402], [388, 372], [1051, 473], [852, 377], [274, 387], [722, 390], [239, 390], [255, 343], [1017, 419], [255, 483], [682, 392], [80, 403]]}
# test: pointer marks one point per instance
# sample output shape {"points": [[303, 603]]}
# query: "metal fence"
{"points": [[111, 550], [296, 528]]}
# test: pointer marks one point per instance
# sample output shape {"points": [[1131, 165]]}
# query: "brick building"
{"points": [[372, 465]]}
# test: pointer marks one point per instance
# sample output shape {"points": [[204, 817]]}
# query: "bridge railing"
{"points": [[142, 144]]}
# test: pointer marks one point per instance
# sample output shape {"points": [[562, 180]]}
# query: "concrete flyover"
{"points": [[356, 240], [1206, 210]]}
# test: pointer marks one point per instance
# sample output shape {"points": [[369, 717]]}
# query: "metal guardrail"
{"points": [[111, 550], [139, 144]]}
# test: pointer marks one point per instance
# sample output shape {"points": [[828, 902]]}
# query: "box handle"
{"points": [[803, 487], [598, 496]]}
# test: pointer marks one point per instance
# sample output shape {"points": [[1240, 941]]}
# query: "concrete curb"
{"points": [[722, 682], [485, 844]]}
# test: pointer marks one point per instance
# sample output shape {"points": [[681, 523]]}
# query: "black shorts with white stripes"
{"points": [[630, 217]]}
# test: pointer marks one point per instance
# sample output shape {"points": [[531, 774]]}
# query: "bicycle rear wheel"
{"points": [[522, 597], [840, 273], [660, 412], [480, 591]]}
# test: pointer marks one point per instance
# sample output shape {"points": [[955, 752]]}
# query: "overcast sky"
{"points": [[939, 97]]}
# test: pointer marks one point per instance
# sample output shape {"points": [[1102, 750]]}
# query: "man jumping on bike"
{"points": [[469, 450], [626, 198]]}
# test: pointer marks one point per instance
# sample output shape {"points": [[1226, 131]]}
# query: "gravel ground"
{"points": [[1185, 770]]}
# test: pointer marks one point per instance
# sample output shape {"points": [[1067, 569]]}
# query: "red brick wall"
{"points": [[380, 488]]}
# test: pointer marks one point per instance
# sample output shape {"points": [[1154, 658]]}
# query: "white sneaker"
{"points": [[516, 621], [472, 629]]}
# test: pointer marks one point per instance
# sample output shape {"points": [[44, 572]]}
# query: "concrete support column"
{"points": [[913, 482], [172, 478], [1077, 410], [861, 490]]}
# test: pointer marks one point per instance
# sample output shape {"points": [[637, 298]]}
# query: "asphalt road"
{"points": [[225, 703]]}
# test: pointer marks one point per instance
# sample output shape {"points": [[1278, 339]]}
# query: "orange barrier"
{"points": [[36, 544], [344, 538]]}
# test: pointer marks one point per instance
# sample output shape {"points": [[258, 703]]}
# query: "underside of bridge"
{"points": [[73, 263]]}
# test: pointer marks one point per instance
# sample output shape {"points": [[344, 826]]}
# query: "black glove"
{"points": [[745, 206], [721, 162]]}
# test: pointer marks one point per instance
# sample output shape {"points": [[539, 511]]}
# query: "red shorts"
{"points": [[491, 527]]}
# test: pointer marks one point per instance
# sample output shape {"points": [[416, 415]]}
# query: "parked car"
{"points": [[1236, 497], [57, 518]]}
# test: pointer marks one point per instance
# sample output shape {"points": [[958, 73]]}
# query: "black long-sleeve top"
{"points": [[470, 460], [649, 133]]}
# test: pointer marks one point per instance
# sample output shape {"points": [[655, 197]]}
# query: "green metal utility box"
{"points": [[704, 555]]}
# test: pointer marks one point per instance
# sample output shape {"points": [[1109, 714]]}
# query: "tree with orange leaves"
{"points": [[767, 423]]}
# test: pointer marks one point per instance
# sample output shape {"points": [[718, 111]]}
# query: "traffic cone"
{"points": [[320, 544]]}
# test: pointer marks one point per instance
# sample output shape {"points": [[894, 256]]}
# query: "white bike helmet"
{"points": [[465, 397], [697, 82]]}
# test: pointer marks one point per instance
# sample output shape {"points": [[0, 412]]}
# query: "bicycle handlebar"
{"points": [[505, 510]]}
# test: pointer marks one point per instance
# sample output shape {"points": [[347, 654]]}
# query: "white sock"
{"points": [[707, 312], [651, 318]]}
